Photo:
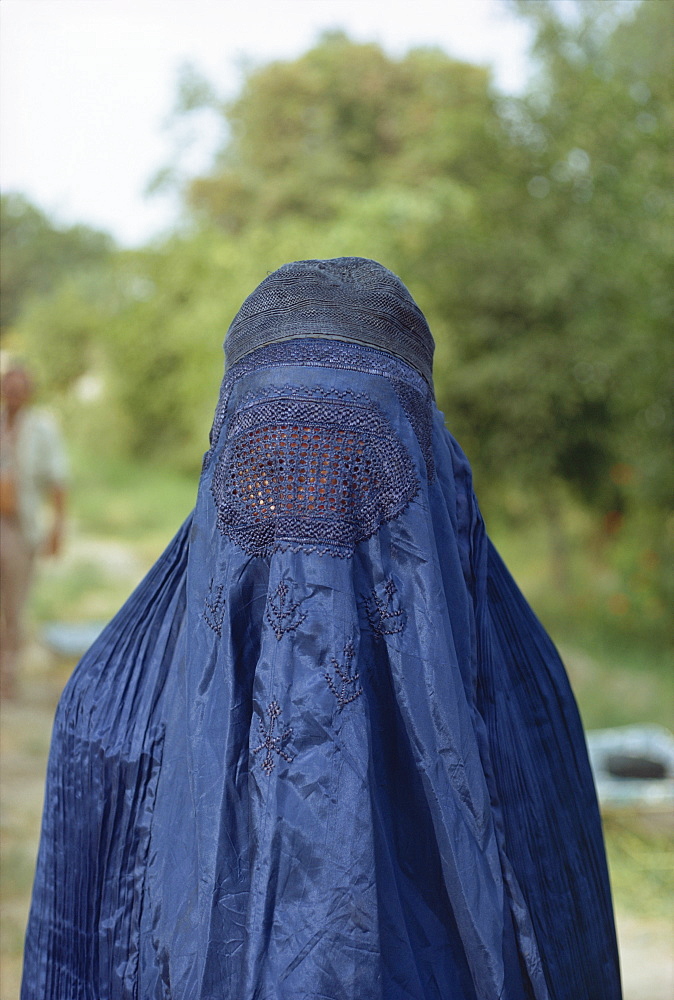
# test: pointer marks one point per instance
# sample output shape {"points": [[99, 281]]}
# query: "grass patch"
{"points": [[641, 864], [122, 516], [142, 503]]}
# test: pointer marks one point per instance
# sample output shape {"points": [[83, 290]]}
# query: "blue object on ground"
{"points": [[71, 639]]}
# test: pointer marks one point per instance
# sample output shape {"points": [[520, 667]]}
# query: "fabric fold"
{"points": [[326, 751]]}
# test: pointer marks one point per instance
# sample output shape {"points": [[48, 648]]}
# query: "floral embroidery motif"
{"points": [[214, 608], [347, 691], [384, 613], [271, 743], [281, 614]]}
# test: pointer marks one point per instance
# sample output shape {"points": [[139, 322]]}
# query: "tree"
{"points": [[535, 233], [36, 254], [565, 350], [304, 136], [527, 228]]}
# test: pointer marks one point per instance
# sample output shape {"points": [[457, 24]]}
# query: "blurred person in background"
{"points": [[33, 472]]}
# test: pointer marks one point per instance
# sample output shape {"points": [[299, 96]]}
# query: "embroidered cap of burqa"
{"points": [[325, 751]]}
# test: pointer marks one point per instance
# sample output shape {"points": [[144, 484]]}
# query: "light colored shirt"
{"points": [[33, 456]]}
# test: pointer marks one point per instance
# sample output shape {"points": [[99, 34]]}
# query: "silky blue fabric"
{"points": [[325, 751]]}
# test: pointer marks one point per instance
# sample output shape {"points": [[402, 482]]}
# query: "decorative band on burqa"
{"points": [[309, 470], [347, 298]]}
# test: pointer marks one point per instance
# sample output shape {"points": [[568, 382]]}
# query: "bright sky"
{"points": [[87, 85]]}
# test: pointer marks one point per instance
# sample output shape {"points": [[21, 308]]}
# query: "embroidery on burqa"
{"points": [[311, 470], [414, 393], [343, 681], [418, 410], [281, 613], [382, 314], [384, 613], [273, 741], [214, 608]]}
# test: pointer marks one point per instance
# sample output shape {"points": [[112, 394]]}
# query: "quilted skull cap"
{"points": [[344, 298]]}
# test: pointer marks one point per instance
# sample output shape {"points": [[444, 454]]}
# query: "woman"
{"points": [[325, 751]]}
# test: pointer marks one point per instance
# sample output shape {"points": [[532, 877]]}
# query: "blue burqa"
{"points": [[325, 751]]}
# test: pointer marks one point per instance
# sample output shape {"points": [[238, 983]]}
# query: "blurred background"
{"points": [[512, 162]]}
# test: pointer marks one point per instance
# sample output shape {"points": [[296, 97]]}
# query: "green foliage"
{"points": [[303, 137], [165, 349], [535, 233], [61, 332], [35, 255], [641, 862]]}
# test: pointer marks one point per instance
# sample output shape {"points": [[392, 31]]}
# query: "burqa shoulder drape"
{"points": [[325, 751]]}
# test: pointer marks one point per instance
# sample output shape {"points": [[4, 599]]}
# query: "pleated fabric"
{"points": [[326, 751]]}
